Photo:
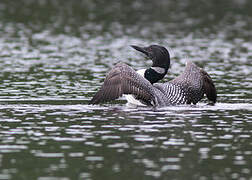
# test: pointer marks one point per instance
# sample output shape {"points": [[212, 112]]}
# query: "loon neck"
{"points": [[154, 74]]}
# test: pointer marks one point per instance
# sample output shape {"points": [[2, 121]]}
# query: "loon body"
{"points": [[142, 87]]}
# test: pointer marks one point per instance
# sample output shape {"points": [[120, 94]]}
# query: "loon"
{"points": [[143, 87]]}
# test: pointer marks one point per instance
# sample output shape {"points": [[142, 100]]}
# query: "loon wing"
{"points": [[209, 87], [196, 82], [123, 79]]}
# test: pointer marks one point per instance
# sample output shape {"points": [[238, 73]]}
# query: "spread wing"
{"points": [[209, 87], [196, 82], [122, 79]]}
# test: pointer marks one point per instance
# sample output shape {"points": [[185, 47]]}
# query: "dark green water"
{"points": [[53, 57]]}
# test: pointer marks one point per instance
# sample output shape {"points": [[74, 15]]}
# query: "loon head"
{"points": [[160, 61]]}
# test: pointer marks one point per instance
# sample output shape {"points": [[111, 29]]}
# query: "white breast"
{"points": [[131, 99], [141, 72]]}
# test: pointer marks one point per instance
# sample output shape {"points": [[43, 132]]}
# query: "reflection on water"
{"points": [[54, 57], [94, 139]]}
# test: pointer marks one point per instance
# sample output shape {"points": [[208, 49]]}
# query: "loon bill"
{"points": [[143, 87]]}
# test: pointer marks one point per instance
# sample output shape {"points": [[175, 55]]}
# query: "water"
{"points": [[54, 56]]}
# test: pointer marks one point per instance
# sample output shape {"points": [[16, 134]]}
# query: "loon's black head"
{"points": [[161, 61], [158, 54]]}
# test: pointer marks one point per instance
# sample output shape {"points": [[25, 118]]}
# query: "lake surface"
{"points": [[54, 56]]}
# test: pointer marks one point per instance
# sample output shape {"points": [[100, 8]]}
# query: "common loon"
{"points": [[189, 87]]}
